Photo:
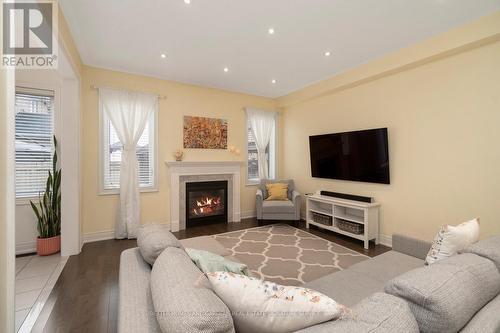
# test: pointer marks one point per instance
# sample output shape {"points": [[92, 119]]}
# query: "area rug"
{"points": [[287, 255]]}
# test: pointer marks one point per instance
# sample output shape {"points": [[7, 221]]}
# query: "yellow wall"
{"points": [[99, 211], [443, 116], [439, 98]]}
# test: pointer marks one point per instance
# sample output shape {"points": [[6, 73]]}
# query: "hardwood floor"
{"points": [[85, 297]]}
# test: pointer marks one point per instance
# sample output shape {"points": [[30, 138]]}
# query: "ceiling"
{"points": [[202, 38]]}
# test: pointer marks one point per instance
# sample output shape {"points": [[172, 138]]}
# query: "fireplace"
{"points": [[206, 202]]}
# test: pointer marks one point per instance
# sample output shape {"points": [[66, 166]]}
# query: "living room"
{"points": [[341, 152]]}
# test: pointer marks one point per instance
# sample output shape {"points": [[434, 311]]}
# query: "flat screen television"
{"points": [[358, 156]]}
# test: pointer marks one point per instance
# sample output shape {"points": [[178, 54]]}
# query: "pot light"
{"points": [[270, 31], [327, 53], [163, 55], [226, 69], [187, 2], [273, 81]]}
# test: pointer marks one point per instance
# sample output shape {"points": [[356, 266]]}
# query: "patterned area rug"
{"points": [[287, 255]]}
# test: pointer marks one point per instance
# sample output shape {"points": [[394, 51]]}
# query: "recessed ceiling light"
{"points": [[226, 69], [273, 81], [163, 55], [187, 2], [327, 53], [270, 31]]}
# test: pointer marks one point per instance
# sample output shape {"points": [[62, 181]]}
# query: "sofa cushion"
{"points": [[211, 262], [488, 248], [444, 296], [411, 246], [487, 320], [346, 287], [264, 306], [452, 239], [205, 243], [387, 266], [152, 239], [379, 313], [180, 305], [277, 207], [135, 305], [359, 281]]}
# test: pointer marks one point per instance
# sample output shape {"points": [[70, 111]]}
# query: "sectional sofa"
{"points": [[392, 292]]}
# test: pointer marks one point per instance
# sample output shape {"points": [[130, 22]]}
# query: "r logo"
{"points": [[27, 28]]}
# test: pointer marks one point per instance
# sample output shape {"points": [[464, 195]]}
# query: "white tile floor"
{"points": [[35, 278]]}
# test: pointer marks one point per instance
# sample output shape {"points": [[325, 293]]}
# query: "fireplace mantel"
{"points": [[183, 169]]}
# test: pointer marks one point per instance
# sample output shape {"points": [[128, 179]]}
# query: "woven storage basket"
{"points": [[321, 218], [352, 227]]}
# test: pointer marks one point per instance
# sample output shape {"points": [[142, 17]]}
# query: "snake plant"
{"points": [[48, 209]]}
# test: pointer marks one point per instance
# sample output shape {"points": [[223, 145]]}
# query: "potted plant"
{"points": [[48, 212]]}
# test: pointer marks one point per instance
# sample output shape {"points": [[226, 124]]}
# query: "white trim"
{"points": [[183, 164], [25, 247], [248, 214], [98, 236], [178, 169], [385, 240]]}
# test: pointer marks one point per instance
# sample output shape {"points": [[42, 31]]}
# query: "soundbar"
{"points": [[347, 196]]}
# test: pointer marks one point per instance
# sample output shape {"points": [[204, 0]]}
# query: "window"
{"points": [[112, 156], [252, 159], [34, 145]]}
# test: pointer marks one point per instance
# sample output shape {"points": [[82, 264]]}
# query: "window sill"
{"points": [[252, 182], [25, 201], [117, 191]]}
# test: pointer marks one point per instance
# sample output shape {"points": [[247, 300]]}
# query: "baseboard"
{"points": [[98, 236], [25, 247], [246, 214], [385, 240]]}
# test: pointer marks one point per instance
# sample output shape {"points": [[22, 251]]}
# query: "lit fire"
{"points": [[207, 205]]}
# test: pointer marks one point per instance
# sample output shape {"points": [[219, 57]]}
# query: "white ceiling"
{"points": [[202, 38]]}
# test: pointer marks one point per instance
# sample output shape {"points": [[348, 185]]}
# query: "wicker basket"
{"points": [[321, 218], [352, 227]]}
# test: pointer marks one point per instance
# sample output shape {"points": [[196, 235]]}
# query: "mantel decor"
{"points": [[205, 133]]}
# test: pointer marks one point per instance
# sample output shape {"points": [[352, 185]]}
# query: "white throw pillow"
{"points": [[451, 239], [262, 306]]}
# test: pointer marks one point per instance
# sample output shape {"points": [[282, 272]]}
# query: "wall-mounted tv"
{"points": [[358, 156]]}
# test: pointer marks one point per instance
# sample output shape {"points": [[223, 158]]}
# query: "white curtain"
{"points": [[129, 113], [262, 124]]}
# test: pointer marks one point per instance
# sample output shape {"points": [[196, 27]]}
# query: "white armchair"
{"points": [[278, 210]]}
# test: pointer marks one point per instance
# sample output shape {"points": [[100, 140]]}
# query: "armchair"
{"points": [[278, 210]]}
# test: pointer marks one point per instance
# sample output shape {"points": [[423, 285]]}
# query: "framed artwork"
{"points": [[205, 133]]}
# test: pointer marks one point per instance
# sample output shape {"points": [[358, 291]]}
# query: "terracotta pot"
{"points": [[48, 246]]}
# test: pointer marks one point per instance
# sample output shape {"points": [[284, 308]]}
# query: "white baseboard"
{"points": [[25, 247], [246, 214], [385, 240], [98, 236], [101, 235]]}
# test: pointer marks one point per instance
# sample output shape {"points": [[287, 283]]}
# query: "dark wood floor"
{"points": [[85, 298]]}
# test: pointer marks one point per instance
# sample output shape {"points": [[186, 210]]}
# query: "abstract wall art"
{"points": [[205, 133]]}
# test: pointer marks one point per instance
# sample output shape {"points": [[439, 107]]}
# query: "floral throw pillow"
{"points": [[262, 306], [452, 239]]}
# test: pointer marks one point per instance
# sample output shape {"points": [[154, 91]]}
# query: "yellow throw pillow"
{"points": [[277, 191]]}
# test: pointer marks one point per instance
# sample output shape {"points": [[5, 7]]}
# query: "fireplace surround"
{"points": [[206, 202], [183, 172]]}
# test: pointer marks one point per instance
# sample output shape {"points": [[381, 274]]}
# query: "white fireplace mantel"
{"points": [[195, 168]]}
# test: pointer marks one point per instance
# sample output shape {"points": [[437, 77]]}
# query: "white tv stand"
{"points": [[362, 213]]}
